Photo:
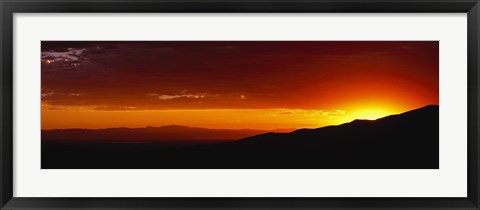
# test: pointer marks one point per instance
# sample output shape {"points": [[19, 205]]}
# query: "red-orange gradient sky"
{"points": [[233, 84]]}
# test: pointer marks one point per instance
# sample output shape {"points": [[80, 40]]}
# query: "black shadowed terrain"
{"points": [[405, 141]]}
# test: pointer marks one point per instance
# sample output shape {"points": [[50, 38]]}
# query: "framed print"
{"points": [[239, 105], [217, 105]]}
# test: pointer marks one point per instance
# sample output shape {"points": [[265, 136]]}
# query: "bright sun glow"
{"points": [[371, 114]]}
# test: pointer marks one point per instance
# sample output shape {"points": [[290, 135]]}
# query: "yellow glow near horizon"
{"points": [[371, 114], [263, 119], [372, 111]]}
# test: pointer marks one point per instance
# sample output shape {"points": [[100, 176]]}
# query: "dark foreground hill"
{"points": [[405, 141]]}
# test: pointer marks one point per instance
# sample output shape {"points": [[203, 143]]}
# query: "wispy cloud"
{"points": [[46, 94], [285, 112], [115, 108], [70, 55], [310, 113], [170, 97], [69, 58], [75, 94], [324, 113]]}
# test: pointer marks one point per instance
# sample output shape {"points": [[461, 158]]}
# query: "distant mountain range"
{"points": [[163, 133], [406, 141]]}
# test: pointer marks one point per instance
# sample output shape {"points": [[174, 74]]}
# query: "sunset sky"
{"points": [[233, 84]]}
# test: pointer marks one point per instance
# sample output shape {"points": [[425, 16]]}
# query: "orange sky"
{"points": [[233, 84]]}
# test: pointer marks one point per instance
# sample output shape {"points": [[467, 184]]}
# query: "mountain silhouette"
{"points": [[170, 133], [405, 141], [413, 128]]}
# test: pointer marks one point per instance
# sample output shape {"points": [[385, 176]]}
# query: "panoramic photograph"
{"points": [[239, 104]]}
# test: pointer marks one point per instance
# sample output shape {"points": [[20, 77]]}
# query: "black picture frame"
{"points": [[9, 7]]}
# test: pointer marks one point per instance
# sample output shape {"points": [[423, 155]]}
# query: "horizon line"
{"points": [[236, 129]]}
